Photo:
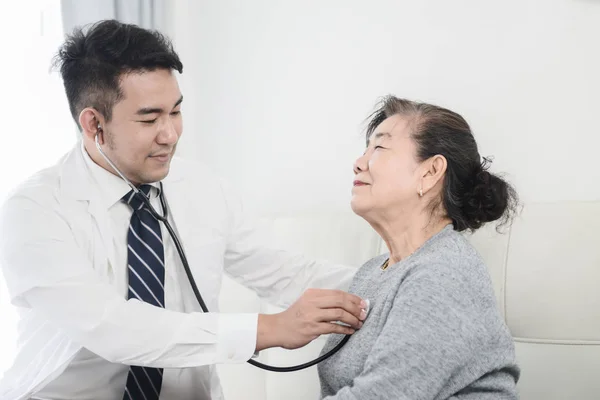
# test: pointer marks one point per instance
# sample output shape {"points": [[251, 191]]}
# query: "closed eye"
{"points": [[374, 148], [149, 122]]}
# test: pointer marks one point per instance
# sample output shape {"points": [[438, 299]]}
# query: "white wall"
{"points": [[276, 92], [36, 126]]}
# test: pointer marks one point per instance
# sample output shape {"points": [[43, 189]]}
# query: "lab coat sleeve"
{"points": [[277, 276], [46, 271]]}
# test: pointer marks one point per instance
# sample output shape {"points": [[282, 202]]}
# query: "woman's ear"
{"points": [[435, 169]]}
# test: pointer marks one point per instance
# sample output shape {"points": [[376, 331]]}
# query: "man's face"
{"points": [[146, 124]]}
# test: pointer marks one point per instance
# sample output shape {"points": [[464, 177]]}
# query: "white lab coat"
{"points": [[53, 232]]}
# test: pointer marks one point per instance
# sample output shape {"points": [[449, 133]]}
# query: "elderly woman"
{"points": [[434, 330]]}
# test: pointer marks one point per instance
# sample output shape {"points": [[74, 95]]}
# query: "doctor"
{"points": [[106, 309]]}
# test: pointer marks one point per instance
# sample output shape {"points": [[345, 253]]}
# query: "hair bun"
{"points": [[486, 198]]}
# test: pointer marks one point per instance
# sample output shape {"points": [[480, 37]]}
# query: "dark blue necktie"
{"points": [[146, 266]]}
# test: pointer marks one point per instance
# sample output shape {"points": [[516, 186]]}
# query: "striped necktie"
{"points": [[145, 263]]}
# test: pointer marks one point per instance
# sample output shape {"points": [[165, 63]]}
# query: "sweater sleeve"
{"points": [[435, 336]]}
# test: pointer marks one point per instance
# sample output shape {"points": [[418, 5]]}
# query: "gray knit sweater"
{"points": [[433, 331]]}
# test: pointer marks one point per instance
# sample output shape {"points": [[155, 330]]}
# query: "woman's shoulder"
{"points": [[453, 262], [450, 249]]}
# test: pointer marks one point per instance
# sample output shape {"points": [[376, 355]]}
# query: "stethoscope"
{"points": [[164, 219]]}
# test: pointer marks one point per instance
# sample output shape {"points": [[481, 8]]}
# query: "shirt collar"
{"points": [[113, 188]]}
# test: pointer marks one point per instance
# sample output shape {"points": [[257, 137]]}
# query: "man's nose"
{"points": [[168, 134]]}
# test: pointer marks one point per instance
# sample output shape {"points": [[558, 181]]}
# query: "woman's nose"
{"points": [[360, 164]]}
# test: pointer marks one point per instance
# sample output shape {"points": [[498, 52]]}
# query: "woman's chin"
{"points": [[359, 206]]}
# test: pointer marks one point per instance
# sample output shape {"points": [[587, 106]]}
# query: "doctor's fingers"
{"points": [[340, 302], [339, 315], [334, 295]]}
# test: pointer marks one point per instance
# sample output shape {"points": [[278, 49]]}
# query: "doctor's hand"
{"points": [[311, 316]]}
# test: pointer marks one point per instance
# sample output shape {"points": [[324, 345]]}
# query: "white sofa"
{"points": [[546, 273]]}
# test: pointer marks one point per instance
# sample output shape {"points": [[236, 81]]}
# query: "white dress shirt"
{"points": [[78, 332]]}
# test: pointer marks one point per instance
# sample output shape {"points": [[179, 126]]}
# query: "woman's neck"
{"points": [[403, 236]]}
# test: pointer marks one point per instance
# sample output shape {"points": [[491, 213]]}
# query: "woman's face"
{"points": [[387, 176]]}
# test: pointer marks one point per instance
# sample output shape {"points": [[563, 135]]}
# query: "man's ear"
{"points": [[434, 171], [91, 123]]}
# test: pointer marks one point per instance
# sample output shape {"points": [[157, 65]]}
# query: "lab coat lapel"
{"points": [[181, 197], [177, 200], [101, 220], [78, 187]]}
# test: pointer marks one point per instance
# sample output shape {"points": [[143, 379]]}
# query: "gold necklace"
{"points": [[385, 264]]}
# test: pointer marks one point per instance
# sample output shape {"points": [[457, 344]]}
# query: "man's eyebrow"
{"points": [[149, 110], [178, 102], [156, 110]]}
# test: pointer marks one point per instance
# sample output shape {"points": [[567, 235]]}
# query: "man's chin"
{"points": [[157, 176]]}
